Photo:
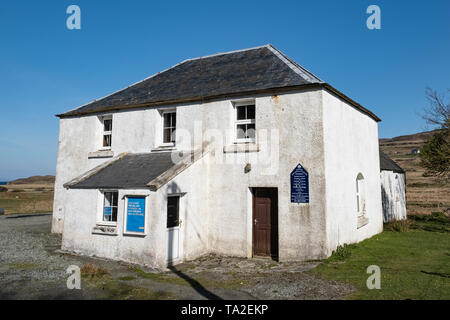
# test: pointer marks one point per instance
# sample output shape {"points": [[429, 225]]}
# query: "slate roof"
{"points": [[239, 72], [387, 163], [132, 171]]}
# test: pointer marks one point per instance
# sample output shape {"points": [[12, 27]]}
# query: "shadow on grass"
{"points": [[194, 284]]}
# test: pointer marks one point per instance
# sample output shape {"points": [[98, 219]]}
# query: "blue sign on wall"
{"points": [[299, 185], [136, 214]]}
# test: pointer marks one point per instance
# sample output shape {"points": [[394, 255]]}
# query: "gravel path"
{"points": [[31, 268]]}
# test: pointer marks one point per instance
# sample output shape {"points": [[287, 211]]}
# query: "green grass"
{"points": [[117, 290], [414, 264]]}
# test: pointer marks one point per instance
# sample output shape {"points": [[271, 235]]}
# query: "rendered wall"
{"points": [[393, 192], [311, 128], [351, 147]]}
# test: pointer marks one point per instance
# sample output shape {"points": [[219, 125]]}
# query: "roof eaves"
{"points": [[351, 101], [93, 171]]}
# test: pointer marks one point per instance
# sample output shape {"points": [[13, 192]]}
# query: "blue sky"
{"points": [[47, 69]]}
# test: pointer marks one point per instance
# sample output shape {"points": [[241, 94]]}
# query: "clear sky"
{"points": [[47, 69]]}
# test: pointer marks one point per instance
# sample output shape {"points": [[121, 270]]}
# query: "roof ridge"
{"points": [[301, 71], [226, 52]]}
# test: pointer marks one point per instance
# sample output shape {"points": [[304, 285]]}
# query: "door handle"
{"points": [[255, 221]]}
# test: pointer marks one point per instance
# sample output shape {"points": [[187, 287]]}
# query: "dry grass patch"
{"points": [[91, 270]]}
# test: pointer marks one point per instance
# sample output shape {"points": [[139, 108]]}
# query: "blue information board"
{"points": [[136, 214], [299, 185]]}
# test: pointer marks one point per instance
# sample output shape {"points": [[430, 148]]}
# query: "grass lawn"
{"points": [[414, 264]]}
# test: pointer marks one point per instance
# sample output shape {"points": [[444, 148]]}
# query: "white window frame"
{"points": [[163, 112], [360, 196], [100, 216], [105, 133], [125, 215], [237, 122]]}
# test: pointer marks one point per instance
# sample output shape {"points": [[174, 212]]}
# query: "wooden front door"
{"points": [[265, 222]]}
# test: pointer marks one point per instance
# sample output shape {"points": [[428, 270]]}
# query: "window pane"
{"points": [[107, 140], [108, 199], [114, 214], [174, 119], [107, 125], [250, 134], [172, 135], [251, 112], [167, 120], [240, 132], [240, 111], [173, 212], [107, 213], [115, 195], [167, 135]]}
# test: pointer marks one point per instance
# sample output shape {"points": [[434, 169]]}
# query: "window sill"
{"points": [[164, 148], [134, 234], [362, 221], [241, 147], [108, 230], [101, 154]]}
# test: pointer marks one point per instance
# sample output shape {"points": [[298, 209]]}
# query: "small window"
{"points": [[245, 122], [173, 215], [107, 132], [169, 126], [110, 206], [360, 197]]}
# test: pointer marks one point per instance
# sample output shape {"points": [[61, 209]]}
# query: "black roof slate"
{"points": [[249, 71], [132, 171], [228, 73], [387, 163]]}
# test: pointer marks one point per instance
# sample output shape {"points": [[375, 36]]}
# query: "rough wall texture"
{"points": [[311, 128], [351, 148], [393, 192]]}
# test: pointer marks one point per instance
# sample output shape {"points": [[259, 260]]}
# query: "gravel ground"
{"points": [[31, 267]]}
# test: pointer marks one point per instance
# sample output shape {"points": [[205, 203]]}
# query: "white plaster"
{"points": [[329, 138]]}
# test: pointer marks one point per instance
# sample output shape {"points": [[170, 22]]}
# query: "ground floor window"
{"points": [[360, 195], [110, 206], [173, 214]]}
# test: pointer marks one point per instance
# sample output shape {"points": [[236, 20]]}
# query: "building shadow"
{"points": [[171, 239], [194, 284]]}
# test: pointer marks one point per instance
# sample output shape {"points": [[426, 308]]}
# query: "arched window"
{"points": [[360, 195]]}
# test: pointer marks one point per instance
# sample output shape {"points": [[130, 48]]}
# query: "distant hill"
{"points": [[35, 180], [424, 194], [405, 144]]}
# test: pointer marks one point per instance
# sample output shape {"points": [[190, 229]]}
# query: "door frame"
{"points": [[274, 217], [180, 228]]}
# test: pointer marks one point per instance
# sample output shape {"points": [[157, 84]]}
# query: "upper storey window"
{"points": [[245, 121], [107, 131], [169, 126]]}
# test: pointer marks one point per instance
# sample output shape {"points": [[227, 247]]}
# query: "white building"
{"points": [[243, 153], [393, 189]]}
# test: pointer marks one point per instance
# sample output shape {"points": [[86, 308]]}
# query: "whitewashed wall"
{"points": [[351, 147], [311, 128], [393, 191]]}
